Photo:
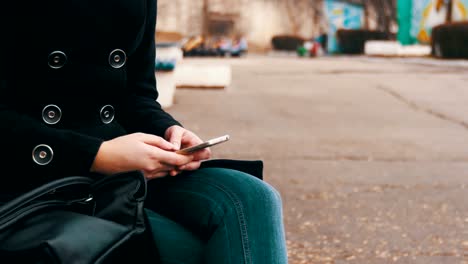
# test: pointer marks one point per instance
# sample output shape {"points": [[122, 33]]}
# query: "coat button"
{"points": [[51, 114], [57, 59], [42, 154], [117, 58], [107, 114]]}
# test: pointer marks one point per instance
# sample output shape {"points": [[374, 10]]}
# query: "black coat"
{"points": [[73, 74]]}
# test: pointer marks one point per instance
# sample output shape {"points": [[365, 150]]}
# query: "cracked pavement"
{"points": [[370, 155]]}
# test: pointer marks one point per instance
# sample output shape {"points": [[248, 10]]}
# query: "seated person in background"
{"points": [[239, 46]]}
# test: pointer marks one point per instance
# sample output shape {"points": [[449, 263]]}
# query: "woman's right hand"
{"points": [[150, 154]]}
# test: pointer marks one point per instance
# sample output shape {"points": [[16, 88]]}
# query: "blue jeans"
{"points": [[216, 216]]}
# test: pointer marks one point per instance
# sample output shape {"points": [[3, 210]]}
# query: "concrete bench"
{"points": [[191, 74], [395, 49], [167, 54]]}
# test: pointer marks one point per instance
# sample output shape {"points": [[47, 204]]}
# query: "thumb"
{"points": [[157, 142], [176, 138]]}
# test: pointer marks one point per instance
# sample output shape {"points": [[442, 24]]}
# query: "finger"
{"points": [[160, 175], [152, 175], [174, 172], [194, 165], [172, 158], [202, 154], [190, 139], [165, 167], [176, 137], [156, 141]]}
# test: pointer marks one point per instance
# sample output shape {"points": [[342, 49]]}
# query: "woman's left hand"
{"points": [[183, 138]]}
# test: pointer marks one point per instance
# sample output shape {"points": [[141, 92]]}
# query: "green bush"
{"points": [[352, 41], [450, 40], [287, 42]]}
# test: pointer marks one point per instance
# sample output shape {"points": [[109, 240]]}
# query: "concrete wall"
{"points": [[181, 16], [259, 20]]}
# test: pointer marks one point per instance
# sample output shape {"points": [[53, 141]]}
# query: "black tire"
{"points": [[352, 41], [450, 40], [287, 43]]}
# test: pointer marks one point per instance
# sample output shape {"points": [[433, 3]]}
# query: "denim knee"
{"points": [[262, 193], [248, 190], [235, 192]]}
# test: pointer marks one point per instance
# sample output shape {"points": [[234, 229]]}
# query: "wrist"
{"points": [[99, 160]]}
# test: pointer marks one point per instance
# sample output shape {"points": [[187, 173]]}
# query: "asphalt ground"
{"points": [[370, 155]]}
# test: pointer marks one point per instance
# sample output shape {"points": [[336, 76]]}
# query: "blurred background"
{"points": [[357, 108]]}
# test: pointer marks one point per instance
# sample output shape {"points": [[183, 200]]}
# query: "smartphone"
{"points": [[206, 144]]}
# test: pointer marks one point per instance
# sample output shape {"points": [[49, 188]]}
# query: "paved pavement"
{"points": [[370, 155]]}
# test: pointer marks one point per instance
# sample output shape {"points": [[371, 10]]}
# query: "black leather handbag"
{"points": [[74, 220]]}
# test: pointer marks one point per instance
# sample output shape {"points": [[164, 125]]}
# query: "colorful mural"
{"points": [[429, 13], [341, 15], [404, 11]]}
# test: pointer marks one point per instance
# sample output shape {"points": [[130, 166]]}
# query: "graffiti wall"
{"points": [[429, 13], [341, 15]]}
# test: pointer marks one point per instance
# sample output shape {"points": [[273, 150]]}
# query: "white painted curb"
{"points": [[394, 48], [203, 76]]}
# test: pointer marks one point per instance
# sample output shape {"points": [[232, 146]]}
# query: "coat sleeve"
{"points": [[141, 112]]}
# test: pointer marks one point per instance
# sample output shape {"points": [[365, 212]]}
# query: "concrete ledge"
{"points": [[165, 82], [382, 48], [203, 76], [168, 53], [395, 49], [415, 50]]}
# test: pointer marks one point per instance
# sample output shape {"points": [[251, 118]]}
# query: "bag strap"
{"points": [[47, 188]]}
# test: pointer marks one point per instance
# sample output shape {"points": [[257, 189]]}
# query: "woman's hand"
{"points": [[183, 138], [152, 155]]}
